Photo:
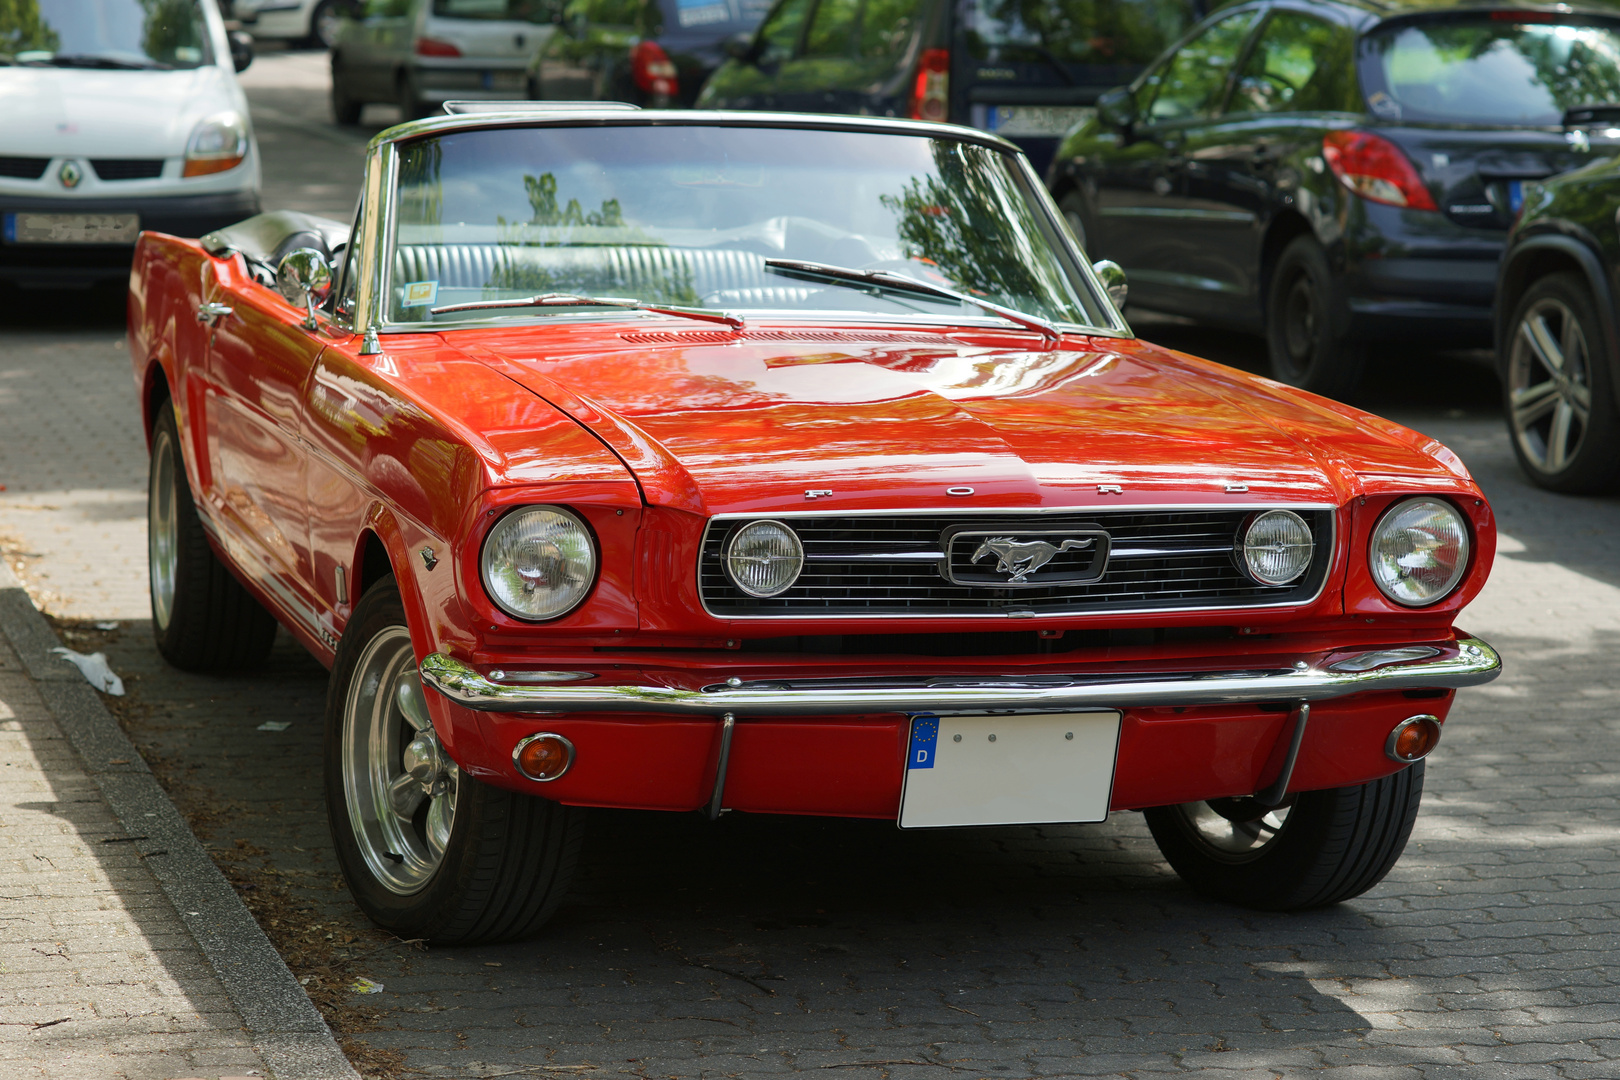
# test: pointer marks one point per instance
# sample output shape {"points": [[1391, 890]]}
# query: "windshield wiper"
{"points": [[570, 300], [883, 279], [91, 60]]}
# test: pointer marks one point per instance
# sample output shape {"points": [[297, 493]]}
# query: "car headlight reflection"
{"points": [[1419, 552], [538, 563], [764, 558], [217, 143], [1277, 547]]}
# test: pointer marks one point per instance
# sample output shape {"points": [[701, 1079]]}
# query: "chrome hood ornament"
{"points": [[1025, 558], [1020, 558]]}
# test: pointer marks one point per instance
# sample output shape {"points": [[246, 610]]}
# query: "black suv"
{"points": [[1028, 70], [1336, 172]]}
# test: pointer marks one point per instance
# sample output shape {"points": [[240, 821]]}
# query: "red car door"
{"points": [[259, 359]]}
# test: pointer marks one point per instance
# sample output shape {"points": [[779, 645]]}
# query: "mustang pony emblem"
{"points": [[1021, 558]]}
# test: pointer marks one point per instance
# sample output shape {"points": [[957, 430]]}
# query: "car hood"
{"points": [[750, 426], [77, 112]]}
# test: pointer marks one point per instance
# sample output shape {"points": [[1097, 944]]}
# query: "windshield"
{"points": [[104, 33], [688, 215], [531, 11], [1501, 69], [1128, 32]]}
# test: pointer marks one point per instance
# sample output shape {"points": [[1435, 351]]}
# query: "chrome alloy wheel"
{"points": [[399, 784], [1232, 830], [163, 529], [1549, 388]]}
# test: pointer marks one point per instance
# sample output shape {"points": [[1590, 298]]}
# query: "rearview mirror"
{"points": [[305, 279], [241, 49], [1112, 276], [739, 47], [1117, 108]]}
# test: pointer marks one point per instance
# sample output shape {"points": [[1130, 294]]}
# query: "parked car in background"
{"points": [[312, 22], [1027, 70], [655, 53], [673, 460], [418, 54], [1558, 327], [1335, 173], [119, 116]]}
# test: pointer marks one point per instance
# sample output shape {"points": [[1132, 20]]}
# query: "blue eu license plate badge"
{"points": [[924, 738], [1515, 195]]}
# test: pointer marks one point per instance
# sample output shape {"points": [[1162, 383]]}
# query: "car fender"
{"points": [[1574, 243]]}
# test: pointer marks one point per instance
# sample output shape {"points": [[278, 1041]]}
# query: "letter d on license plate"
{"points": [[1009, 770]]}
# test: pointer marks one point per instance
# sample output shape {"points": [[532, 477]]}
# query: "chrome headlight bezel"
{"points": [[1404, 516], [578, 547], [1243, 553], [795, 555]]}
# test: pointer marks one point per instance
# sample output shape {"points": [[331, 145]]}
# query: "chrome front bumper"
{"points": [[1466, 662]]}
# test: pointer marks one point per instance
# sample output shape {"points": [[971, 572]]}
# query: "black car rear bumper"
{"points": [[58, 266]]}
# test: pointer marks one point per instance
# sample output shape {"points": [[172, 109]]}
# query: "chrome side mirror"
{"points": [[305, 278], [1112, 276]]}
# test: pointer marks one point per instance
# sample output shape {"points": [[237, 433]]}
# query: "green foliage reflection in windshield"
{"points": [[950, 221], [170, 33], [22, 29], [1075, 31]]}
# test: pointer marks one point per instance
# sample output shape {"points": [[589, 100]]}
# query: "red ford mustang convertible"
{"points": [[782, 464]]}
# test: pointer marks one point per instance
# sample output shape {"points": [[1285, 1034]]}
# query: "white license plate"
{"points": [[1009, 770], [27, 228], [1032, 119]]}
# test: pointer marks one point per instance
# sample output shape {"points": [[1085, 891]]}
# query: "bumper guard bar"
{"points": [[1466, 662]]}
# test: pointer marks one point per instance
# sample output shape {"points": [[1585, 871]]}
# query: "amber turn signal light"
{"points": [[1413, 738], [543, 757]]}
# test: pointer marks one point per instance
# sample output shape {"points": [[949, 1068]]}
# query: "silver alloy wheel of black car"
{"points": [[1548, 384], [398, 782], [163, 528]]}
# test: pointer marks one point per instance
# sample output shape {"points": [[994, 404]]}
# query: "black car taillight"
{"points": [[930, 98], [1376, 169], [652, 69]]}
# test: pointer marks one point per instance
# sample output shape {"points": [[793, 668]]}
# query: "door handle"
{"points": [[210, 313]]}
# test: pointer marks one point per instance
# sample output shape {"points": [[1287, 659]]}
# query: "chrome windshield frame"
{"points": [[376, 240]]}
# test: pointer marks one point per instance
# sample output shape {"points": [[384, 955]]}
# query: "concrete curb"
{"points": [[288, 1032]]}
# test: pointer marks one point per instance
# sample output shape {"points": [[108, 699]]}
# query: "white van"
{"points": [[119, 115]]}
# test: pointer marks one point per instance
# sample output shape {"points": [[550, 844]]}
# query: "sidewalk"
{"points": [[124, 954]]}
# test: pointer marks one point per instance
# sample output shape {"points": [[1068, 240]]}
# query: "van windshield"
{"points": [[1502, 68], [1107, 32], [116, 34]]}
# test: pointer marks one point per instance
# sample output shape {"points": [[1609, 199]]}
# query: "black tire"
{"points": [[1331, 846], [499, 863], [345, 109], [1564, 425], [1073, 207], [322, 26], [411, 107], [1306, 321], [202, 617]]}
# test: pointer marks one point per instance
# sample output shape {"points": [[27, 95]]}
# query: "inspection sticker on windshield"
{"points": [[1009, 770], [420, 294], [72, 228]]}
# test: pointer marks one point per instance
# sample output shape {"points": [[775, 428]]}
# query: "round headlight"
{"points": [[538, 563], [1277, 547], [764, 558], [1419, 551]]}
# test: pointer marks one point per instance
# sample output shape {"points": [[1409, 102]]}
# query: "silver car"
{"points": [[420, 53]]}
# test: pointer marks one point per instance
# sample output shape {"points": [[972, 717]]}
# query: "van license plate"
{"points": [[1009, 770], [1030, 119], [27, 228]]}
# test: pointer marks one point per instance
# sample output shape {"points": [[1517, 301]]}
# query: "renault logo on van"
{"points": [[70, 174]]}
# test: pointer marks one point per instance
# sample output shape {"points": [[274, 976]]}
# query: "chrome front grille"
{"points": [[896, 564]]}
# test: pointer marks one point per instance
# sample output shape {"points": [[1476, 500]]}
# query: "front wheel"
{"points": [[1305, 318], [1321, 848], [428, 852], [1556, 390], [323, 24]]}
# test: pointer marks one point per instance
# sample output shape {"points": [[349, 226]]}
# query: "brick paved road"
{"points": [[758, 946]]}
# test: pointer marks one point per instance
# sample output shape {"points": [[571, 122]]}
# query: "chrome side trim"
{"points": [[1469, 662]]}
